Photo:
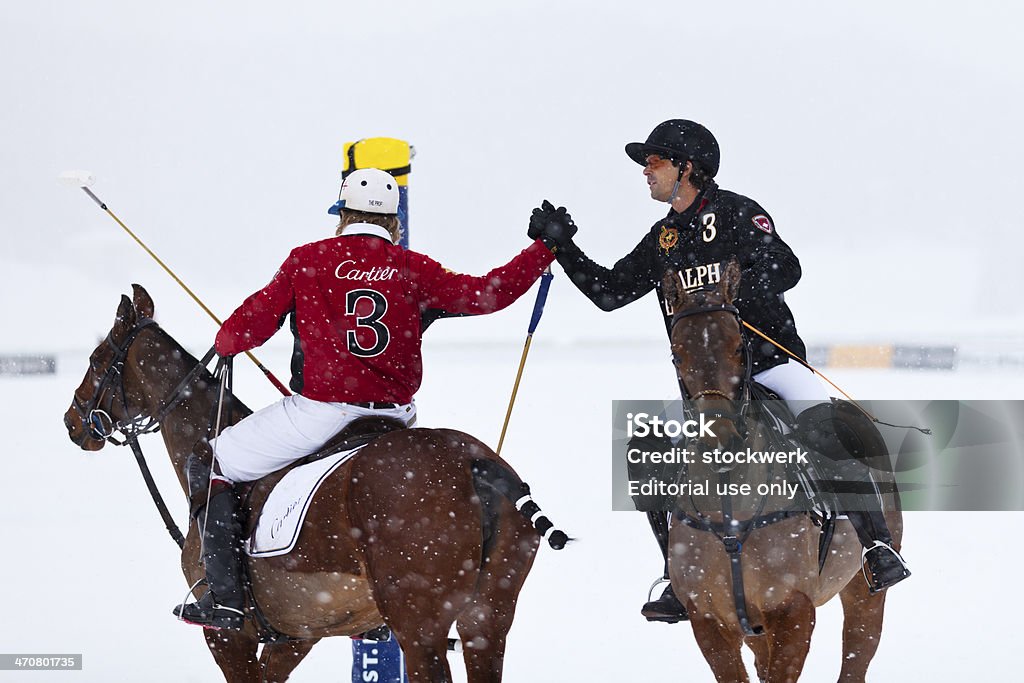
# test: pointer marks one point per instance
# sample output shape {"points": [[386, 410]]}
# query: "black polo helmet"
{"points": [[679, 140]]}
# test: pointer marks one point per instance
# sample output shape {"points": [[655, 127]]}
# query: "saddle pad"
{"points": [[277, 530]]}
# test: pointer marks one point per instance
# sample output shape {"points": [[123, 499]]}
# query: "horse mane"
{"points": [[139, 311]]}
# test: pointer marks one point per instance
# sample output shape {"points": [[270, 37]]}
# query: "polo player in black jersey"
{"points": [[706, 225]]}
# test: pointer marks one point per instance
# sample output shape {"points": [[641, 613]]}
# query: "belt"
{"points": [[373, 405]]}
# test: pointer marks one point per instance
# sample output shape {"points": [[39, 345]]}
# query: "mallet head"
{"points": [[76, 178]]}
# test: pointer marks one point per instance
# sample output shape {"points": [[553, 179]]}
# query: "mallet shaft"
{"points": [[270, 376]]}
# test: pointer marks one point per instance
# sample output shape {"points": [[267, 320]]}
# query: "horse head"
{"points": [[108, 396], [707, 343]]}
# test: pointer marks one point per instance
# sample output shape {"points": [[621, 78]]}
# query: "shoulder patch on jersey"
{"points": [[763, 223], [668, 238]]}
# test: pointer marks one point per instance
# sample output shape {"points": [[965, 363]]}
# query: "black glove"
{"points": [[553, 226]]}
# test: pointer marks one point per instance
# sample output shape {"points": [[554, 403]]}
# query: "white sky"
{"points": [[883, 139]]}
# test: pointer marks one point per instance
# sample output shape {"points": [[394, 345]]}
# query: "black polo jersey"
{"points": [[719, 224]]}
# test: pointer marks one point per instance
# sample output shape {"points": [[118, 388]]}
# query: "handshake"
{"points": [[553, 226]]}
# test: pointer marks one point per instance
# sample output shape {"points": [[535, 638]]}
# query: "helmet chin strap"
{"points": [[679, 180], [675, 188]]}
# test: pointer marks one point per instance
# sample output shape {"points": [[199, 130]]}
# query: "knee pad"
{"points": [[839, 430], [816, 428], [857, 431]]}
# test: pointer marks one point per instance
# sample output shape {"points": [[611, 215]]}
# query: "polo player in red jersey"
{"points": [[358, 303]]}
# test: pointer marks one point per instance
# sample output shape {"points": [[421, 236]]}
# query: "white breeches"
{"points": [[796, 385], [285, 431]]}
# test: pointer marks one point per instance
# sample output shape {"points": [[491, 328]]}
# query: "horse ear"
{"points": [[125, 320], [670, 287], [732, 279], [143, 301]]}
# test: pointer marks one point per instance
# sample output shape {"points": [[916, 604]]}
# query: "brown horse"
{"points": [[418, 531], [781, 582]]}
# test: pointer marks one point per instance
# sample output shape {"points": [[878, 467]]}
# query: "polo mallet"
{"points": [[84, 179], [538, 310]]}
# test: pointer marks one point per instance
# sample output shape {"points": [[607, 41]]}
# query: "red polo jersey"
{"points": [[357, 301]]}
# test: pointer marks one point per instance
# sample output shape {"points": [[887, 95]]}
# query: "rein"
{"points": [[731, 532], [102, 427]]}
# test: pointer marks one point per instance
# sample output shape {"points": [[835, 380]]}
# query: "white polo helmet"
{"points": [[371, 190]]}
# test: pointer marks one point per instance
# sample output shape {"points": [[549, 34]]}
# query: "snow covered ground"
{"points": [[88, 568]]}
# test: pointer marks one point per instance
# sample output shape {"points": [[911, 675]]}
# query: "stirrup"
{"points": [[875, 585], [184, 600], [675, 612], [657, 582], [216, 617]]}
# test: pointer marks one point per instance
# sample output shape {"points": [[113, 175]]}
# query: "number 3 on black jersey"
{"points": [[380, 307]]}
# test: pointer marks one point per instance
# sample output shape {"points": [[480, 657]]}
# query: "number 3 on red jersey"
{"points": [[372, 321]]}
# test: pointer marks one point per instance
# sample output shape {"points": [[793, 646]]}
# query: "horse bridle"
{"points": [[732, 541], [745, 386], [100, 426], [97, 420]]}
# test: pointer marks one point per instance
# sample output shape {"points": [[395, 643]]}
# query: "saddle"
{"points": [[765, 406], [359, 433], [771, 411]]}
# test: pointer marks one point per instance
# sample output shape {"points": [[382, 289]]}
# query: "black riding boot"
{"points": [[667, 609], [844, 441], [222, 605], [886, 566]]}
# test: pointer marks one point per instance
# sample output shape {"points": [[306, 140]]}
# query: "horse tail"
{"points": [[492, 477]]}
